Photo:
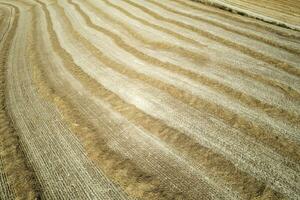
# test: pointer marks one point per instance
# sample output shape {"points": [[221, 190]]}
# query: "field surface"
{"points": [[147, 99], [281, 12]]}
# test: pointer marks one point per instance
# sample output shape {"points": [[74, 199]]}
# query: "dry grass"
{"points": [[141, 101]]}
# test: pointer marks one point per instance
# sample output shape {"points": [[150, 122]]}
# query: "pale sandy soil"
{"points": [[173, 99]]}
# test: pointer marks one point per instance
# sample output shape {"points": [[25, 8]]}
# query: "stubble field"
{"points": [[173, 99]]}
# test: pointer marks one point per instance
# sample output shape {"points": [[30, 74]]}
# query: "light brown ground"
{"points": [[146, 100], [281, 12]]}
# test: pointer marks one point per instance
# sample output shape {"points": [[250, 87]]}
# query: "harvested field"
{"points": [[173, 99], [284, 13]]}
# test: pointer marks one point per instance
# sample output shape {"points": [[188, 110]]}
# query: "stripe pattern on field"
{"points": [[108, 99]]}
